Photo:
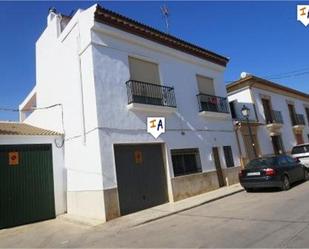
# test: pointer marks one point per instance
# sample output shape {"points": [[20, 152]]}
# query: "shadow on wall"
{"points": [[236, 110]]}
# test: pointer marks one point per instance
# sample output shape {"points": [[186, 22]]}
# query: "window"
{"points": [[300, 149], [144, 71], [260, 163], [228, 155], [186, 161], [205, 85]]}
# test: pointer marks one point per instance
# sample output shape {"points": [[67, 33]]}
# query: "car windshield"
{"points": [[300, 149], [261, 162]]}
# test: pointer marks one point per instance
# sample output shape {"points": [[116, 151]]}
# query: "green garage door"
{"points": [[141, 177], [26, 184]]}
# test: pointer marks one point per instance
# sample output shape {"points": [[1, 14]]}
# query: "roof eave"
{"points": [[118, 21]]}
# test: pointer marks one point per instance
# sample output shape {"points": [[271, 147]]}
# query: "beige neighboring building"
{"points": [[279, 116]]}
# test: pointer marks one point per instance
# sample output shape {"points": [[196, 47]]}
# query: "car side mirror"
{"points": [[297, 160]]}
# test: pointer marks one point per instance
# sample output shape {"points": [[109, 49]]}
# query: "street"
{"points": [[268, 219]]}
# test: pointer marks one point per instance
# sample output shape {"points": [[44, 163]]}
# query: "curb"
{"points": [[188, 208]]}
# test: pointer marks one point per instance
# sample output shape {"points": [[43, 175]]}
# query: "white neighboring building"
{"points": [[279, 115], [110, 73]]}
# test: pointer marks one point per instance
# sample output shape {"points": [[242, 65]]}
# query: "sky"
{"points": [[261, 38]]}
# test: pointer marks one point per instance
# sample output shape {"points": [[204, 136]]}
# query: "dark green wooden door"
{"points": [[141, 177], [26, 184]]}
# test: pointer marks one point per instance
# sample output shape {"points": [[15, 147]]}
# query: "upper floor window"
{"points": [[205, 85], [144, 71]]}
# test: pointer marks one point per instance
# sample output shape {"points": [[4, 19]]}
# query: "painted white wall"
{"points": [[59, 170], [241, 98], [111, 49], [85, 69], [279, 103], [64, 75]]}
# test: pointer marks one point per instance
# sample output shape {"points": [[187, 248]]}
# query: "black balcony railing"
{"points": [[274, 117], [212, 103], [298, 119], [150, 94]]}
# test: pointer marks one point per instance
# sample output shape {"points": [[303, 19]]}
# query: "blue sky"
{"points": [[263, 38]]}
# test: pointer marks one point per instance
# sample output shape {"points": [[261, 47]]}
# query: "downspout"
{"points": [[81, 85], [238, 145], [253, 100]]}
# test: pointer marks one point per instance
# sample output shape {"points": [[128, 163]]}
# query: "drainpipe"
{"points": [[253, 100], [81, 84], [237, 126]]}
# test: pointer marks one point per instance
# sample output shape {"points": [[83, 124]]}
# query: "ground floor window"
{"points": [[228, 154], [186, 161]]}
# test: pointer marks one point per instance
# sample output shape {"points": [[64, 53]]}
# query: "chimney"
{"points": [[52, 13], [53, 20]]}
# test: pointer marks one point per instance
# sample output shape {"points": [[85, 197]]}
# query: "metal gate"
{"points": [[140, 176], [26, 184]]}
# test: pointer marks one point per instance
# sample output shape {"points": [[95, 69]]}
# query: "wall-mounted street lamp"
{"points": [[245, 111]]}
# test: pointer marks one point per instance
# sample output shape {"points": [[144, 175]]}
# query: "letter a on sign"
{"points": [[155, 126]]}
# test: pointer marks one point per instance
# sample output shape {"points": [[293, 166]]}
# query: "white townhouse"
{"points": [[279, 116], [104, 74]]}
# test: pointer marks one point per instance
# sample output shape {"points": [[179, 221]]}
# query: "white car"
{"points": [[301, 152]]}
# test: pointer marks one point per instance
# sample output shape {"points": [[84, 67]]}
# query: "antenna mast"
{"points": [[166, 14]]}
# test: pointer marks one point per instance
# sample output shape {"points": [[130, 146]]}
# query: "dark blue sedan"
{"points": [[278, 171]]}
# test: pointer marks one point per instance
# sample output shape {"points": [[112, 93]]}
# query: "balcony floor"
{"points": [[216, 115], [151, 108]]}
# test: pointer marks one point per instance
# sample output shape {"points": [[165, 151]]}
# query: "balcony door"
{"points": [[144, 71], [299, 138], [292, 113], [206, 88], [267, 110], [146, 87]]}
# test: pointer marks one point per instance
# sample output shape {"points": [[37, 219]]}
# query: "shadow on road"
{"points": [[268, 190]]}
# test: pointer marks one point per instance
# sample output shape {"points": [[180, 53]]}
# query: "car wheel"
{"points": [[285, 183], [306, 175]]}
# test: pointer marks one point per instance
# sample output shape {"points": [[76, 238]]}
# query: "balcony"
{"points": [[298, 122], [143, 96], [274, 122], [213, 106]]}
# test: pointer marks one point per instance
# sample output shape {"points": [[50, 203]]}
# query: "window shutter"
{"points": [[144, 71], [205, 85]]}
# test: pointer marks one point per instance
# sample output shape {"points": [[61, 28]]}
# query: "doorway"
{"points": [[141, 177], [277, 144], [216, 158]]}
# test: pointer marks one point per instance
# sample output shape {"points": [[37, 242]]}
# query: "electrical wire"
{"points": [[28, 110], [289, 74]]}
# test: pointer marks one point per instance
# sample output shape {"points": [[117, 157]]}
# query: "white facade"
{"points": [[251, 95], [84, 69]]}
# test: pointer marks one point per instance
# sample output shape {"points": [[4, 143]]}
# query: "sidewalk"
{"points": [[161, 211]]}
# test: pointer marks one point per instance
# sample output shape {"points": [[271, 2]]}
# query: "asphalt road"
{"points": [[269, 219]]}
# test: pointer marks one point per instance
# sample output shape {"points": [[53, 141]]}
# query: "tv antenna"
{"points": [[166, 15]]}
